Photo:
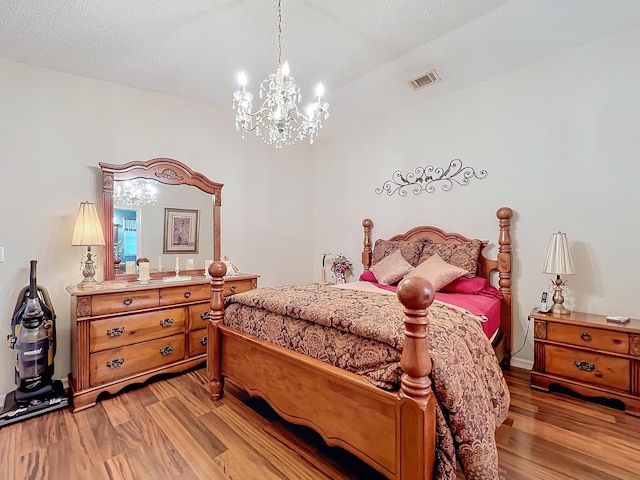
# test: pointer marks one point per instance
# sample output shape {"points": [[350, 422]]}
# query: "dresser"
{"points": [[588, 355], [123, 335]]}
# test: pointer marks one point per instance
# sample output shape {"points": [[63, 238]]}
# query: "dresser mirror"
{"points": [[148, 221]]}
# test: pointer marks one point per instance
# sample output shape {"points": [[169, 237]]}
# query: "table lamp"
{"points": [[558, 262], [323, 272], [87, 232]]}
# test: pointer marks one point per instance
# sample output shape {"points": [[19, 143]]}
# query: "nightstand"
{"points": [[588, 355]]}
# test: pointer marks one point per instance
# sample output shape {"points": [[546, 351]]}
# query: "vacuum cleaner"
{"points": [[33, 336]]}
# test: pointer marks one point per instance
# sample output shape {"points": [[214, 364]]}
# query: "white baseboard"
{"points": [[522, 363], [65, 384]]}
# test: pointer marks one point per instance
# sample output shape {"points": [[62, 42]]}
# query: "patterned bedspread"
{"points": [[363, 332]]}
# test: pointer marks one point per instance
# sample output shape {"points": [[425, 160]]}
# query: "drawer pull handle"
{"points": [[128, 301], [115, 331], [203, 341], [115, 363], [232, 288], [586, 366], [205, 315], [166, 350], [585, 336], [187, 294], [166, 322]]}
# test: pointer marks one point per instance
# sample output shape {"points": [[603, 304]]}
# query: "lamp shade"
{"points": [[559, 261], [88, 230]]}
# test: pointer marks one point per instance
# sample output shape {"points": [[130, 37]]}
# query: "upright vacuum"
{"points": [[33, 336]]}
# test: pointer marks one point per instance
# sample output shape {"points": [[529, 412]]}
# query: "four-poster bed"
{"points": [[392, 428]]}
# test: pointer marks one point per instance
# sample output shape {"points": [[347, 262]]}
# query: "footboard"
{"points": [[394, 432]]}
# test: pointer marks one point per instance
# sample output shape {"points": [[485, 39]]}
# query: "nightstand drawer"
{"points": [[593, 368], [592, 338]]}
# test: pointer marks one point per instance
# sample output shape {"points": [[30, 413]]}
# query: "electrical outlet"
{"points": [[1, 254]]}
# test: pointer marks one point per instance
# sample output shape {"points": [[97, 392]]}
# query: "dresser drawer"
{"points": [[199, 315], [592, 338], [134, 328], [123, 302], [236, 286], [119, 363], [197, 342], [184, 293], [593, 368]]}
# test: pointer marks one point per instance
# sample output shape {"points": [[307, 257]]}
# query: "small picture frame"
{"points": [[181, 230]]}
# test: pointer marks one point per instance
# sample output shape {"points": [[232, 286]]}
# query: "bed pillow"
{"points": [[368, 276], [472, 286], [391, 269], [410, 250], [437, 271], [464, 255]]}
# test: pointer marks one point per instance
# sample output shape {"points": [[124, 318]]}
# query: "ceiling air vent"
{"points": [[424, 80]]}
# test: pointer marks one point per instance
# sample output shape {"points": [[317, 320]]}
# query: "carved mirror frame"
{"points": [[164, 170]]}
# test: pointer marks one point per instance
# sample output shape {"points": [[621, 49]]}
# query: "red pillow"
{"points": [[368, 276], [472, 286]]}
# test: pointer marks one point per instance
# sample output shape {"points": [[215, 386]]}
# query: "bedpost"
{"points": [[504, 215], [417, 417], [366, 243], [217, 270]]}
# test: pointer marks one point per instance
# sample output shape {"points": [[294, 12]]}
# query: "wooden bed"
{"points": [[394, 432]]}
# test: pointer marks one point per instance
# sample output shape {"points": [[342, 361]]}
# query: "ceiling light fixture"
{"points": [[279, 115]]}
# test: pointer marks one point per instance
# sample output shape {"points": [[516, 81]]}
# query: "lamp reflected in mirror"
{"points": [[87, 232]]}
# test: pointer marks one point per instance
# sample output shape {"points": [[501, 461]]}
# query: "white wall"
{"points": [[560, 143], [55, 128], [558, 139]]}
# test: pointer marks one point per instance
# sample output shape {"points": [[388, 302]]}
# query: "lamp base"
{"points": [[559, 309], [558, 299], [87, 283], [88, 272]]}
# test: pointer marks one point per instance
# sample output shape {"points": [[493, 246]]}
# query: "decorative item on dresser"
{"points": [[588, 355], [127, 334]]}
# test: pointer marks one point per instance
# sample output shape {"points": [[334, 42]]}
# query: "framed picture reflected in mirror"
{"points": [[181, 230]]}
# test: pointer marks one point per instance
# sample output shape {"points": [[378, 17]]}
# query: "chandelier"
{"points": [[278, 121], [135, 193]]}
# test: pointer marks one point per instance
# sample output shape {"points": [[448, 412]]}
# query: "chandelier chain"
{"points": [[279, 32]]}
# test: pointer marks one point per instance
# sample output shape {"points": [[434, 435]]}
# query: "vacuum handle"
{"points": [[33, 286]]}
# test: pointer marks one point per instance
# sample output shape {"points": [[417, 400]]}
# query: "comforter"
{"points": [[363, 332]]}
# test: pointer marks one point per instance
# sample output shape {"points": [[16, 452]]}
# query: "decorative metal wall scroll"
{"points": [[426, 178]]}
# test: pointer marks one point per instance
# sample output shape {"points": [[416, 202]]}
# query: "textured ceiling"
{"points": [[364, 51]]}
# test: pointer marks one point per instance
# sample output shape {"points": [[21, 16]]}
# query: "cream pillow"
{"points": [[437, 271], [391, 268]]}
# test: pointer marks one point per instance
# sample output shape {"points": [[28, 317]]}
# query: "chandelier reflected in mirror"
{"points": [[135, 193], [278, 121]]}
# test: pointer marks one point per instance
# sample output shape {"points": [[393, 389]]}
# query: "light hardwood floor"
{"points": [[170, 429]]}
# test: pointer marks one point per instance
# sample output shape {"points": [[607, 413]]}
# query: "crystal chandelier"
{"points": [[278, 121], [135, 193]]}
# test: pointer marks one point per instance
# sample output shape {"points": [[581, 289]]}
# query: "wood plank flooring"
{"points": [[170, 429]]}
